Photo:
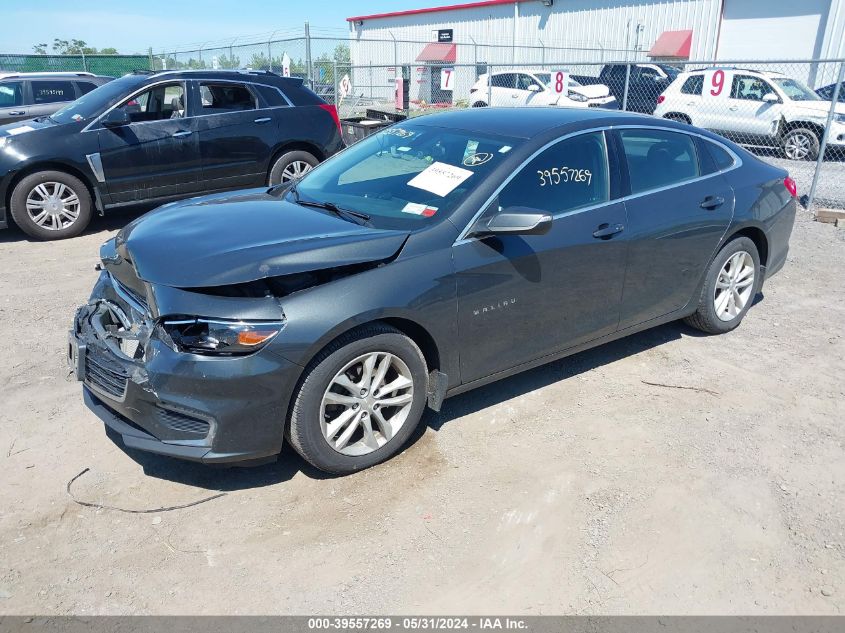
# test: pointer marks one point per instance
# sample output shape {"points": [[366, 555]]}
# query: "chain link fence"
{"points": [[109, 65]]}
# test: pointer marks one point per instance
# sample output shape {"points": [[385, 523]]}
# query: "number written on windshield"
{"points": [[556, 176]]}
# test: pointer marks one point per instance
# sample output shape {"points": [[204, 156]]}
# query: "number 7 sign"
{"points": [[717, 84], [446, 78]]}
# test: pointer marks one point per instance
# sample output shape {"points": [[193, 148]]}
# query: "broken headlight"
{"points": [[225, 338]]}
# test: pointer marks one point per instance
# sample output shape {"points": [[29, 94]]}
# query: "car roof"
{"points": [[528, 122], [244, 75], [764, 73]]}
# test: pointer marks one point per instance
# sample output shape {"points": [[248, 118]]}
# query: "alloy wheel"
{"points": [[366, 403], [798, 146], [53, 206], [734, 286], [294, 170]]}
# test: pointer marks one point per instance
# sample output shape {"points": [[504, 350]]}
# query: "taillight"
{"points": [[791, 187], [328, 107], [660, 99]]}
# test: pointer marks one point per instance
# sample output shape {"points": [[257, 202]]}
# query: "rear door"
{"points": [[48, 95], [157, 154], [677, 215], [237, 134], [503, 91], [13, 101]]}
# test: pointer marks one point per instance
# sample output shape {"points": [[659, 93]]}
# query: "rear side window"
{"points": [[720, 156], [52, 91], [225, 97], [11, 94], [505, 80], [693, 85], [568, 175], [657, 158], [272, 97], [85, 87]]}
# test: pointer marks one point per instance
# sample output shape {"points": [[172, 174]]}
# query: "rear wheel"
{"points": [[361, 399], [291, 166], [680, 118], [479, 104], [801, 144], [51, 205], [730, 286]]}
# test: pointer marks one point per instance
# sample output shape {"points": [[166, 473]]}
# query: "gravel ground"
{"points": [[574, 488]]}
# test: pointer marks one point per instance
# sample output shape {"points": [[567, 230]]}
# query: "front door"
{"points": [[524, 297], [157, 154], [747, 118], [676, 219], [503, 92]]}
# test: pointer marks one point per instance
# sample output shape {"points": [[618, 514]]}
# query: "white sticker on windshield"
{"points": [[424, 210], [440, 178], [504, 149], [20, 130]]}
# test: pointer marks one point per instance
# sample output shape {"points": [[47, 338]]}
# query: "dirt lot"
{"points": [[574, 488]]}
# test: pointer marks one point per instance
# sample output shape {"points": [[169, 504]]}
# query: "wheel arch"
{"points": [[788, 126], [678, 116], [756, 235], [294, 146], [49, 166]]}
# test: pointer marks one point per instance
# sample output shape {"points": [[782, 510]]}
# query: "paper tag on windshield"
{"points": [[419, 209], [20, 130], [440, 178]]}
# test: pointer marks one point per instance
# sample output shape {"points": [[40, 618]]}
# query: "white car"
{"points": [[533, 88], [754, 108]]}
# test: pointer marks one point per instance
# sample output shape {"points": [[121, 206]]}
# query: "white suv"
{"points": [[532, 88], [754, 108]]}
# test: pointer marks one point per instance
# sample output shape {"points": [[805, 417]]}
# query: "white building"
{"points": [[542, 32]]}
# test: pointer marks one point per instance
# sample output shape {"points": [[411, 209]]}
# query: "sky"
{"points": [[134, 27]]}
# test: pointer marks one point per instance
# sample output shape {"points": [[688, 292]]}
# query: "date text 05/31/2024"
{"points": [[416, 623]]}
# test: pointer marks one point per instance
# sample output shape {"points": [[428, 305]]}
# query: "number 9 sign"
{"points": [[717, 84]]}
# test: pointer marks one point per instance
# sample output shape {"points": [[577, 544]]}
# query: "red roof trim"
{"points": [[438, 52], [451, 7]]}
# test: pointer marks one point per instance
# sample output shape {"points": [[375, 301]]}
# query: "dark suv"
{"points": [[155, 137], [30, 95]]}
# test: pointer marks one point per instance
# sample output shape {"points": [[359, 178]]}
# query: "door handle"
{"points": [[733, 108], [182, 134], [264, 119], [606, 231], [17, 112], [514, 96], [712, 202]]}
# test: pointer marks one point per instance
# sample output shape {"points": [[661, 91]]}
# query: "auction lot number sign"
{"points": [[560, 82], [717, 84]]}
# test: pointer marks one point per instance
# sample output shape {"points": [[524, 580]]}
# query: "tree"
{"points": [[109, 51], [73, 47], [40, 49]]}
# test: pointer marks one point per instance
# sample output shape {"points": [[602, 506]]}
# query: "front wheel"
{"points": [[801, 144], [360, 400], [731, 283], [291, 166], [51, 205]]}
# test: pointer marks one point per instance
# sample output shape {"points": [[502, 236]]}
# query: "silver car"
{"points": [[31, 95]]}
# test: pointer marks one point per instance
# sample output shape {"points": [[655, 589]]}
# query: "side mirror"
{"points": [[771, 97], [116, 118], [534, 88], [516, 221]]}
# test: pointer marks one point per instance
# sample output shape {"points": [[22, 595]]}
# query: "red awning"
{"points": [[672, 44], [438, 52]]}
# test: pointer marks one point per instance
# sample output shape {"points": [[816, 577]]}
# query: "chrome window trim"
{"points": [[184, 81], [462, 236]]}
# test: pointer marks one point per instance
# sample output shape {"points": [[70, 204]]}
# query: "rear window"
{"points": [[693, 85], [85, 87], [52, 91], [657, 158], [272, 96]]}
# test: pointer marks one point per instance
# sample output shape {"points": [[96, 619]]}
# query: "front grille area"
{"points": [[183, 423], [105, 376]]}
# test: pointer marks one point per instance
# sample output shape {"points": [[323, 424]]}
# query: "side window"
{"points": [[568, 175], [503, 80], [11, 94], [273, 97], [693, 85], [649, 74], [657, 158], [225, 97], [722, 159], [85, 87], [749, 88], [526, 81], [52, 91], [156, 104]]}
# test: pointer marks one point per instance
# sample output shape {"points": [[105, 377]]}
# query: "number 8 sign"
{"points": [[560, 82], [717, 84]]}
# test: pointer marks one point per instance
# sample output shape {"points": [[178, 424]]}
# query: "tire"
{"points": [[479, 104], [314, 415], [291, 165], [707, 318], [801, 144], [679, 118], [67, 205]]}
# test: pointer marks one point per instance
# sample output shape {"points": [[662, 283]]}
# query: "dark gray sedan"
{"points": [[436, 256]]}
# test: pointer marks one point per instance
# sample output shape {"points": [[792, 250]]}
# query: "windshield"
{"points": [[91, 105], [407, 175], [794, 89], [671, 71]]}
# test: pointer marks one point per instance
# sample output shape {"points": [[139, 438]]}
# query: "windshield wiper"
{"points": [[359, 218]]}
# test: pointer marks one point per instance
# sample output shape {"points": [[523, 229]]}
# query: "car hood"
{"points": [[819, 108], [595, 91], [237, 238], [20, 129]]}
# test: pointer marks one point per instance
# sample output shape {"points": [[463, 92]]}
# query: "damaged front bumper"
{"points": [[157, 399]]}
